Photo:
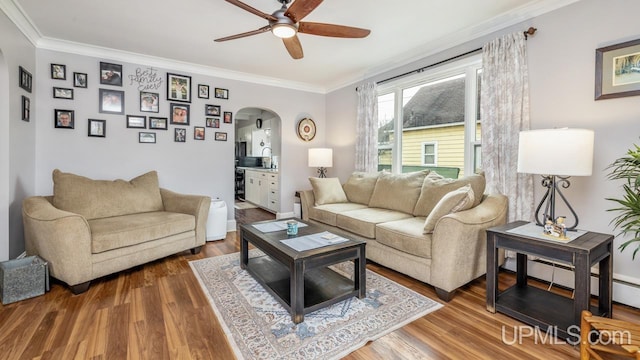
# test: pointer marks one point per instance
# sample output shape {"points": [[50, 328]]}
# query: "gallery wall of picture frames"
{"points": [[147, 82]]}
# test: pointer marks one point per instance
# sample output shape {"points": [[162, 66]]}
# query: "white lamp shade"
{"points": [[563, 152], [320, 157]]}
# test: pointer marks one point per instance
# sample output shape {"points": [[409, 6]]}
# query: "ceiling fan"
{"points": [[285, 23]]}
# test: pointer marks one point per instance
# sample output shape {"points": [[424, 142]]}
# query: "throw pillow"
{"points": [[435, 187], [327, 191], [398, 191], [454, 201], [359, 187]]}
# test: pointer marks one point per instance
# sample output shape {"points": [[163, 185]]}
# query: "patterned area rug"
{"points": [[258, 327]]}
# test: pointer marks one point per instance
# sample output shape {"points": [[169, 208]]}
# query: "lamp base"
{"points": [[551, 182], [322, 172]]}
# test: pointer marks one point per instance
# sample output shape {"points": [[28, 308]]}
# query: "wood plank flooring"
{"points": [[157, 311]]}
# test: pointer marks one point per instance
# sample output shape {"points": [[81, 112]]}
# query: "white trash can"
{"points": [[217, 220]]}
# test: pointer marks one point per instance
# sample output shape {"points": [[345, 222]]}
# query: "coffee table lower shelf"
{"points": [[322, 286]]}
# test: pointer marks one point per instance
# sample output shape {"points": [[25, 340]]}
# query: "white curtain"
{"points": [[367, 128], [504, 108]]}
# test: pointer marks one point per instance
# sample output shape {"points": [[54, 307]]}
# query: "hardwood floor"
{"points": [[157, 311]]}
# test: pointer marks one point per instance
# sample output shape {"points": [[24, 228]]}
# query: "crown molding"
{"points": [[16, 14]]}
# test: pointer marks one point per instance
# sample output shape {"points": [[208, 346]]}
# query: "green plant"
{"points": [[628, 221]]}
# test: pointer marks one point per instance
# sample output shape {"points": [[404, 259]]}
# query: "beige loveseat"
{"points": [[92, 228], [420, 224]]}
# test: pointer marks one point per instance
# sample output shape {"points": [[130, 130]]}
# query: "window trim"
{"points": [[435, 152]]}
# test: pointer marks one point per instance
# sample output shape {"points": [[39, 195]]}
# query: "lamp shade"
{"points": [[563, 152], [320, 157]]}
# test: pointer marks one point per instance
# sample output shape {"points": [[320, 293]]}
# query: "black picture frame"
{"points": [[58, 72], [221, 93], [62, 93], [180, 135], [179, 114], [212, 122], [149, 102], [212, 110], [203, 91], [616, 76], [198, 133], [111, 101], [96, 128], [221, 136], [136, 122], [26, 108], [63, 119], [26, 80], [228, 117], [178, 87], [158, 123], [145, 137], [80, 80], [110, 74]]}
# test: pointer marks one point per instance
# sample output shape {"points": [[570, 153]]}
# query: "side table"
{"points": [[541, 308]]}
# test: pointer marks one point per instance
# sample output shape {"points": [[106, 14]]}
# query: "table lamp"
{"points": [[556, 155], [322, 158]]}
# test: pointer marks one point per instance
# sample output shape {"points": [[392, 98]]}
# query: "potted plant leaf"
{"points": [[627, 168]]}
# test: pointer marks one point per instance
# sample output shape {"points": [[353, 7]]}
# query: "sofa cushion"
{"points": [[405, 235], [96, 199], [435, 187], [121, 231], [456, 200], [398, 191], [363, 221], [359, 187], [328, 213], [327, 191]]}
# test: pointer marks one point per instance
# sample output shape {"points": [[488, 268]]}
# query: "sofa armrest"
{"points": [[196, 205], [60, 237], [307, 201], [459, 243]]}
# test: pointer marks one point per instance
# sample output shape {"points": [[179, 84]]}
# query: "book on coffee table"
{"points": [[313, 241]]}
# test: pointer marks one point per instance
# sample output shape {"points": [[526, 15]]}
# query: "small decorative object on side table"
{"points": [[542, 308]]}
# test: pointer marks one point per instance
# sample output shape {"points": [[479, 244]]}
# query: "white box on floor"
{"points": [[217, 220]]}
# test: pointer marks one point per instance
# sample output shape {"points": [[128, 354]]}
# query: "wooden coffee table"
{"points": [[301, 280]]}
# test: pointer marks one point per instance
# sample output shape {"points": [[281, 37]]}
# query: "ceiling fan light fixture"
{"points": [[284, 31]]}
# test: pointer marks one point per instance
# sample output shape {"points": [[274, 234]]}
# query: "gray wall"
{"points": [[561, 69], [17, 137]]}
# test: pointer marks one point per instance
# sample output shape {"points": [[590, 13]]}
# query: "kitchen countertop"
{"points": [[261, 169]]}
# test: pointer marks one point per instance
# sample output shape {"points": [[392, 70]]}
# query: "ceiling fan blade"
{"points": [[332, 30], [245, 34], [293, 47], [301, 8], [252, 10]]}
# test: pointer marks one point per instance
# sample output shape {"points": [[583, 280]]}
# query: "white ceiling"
{"points": [[183, 31]]}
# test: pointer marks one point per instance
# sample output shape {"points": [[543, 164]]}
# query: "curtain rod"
{"points": [[528, 32]]}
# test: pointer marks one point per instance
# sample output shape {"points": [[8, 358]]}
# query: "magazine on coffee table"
{"points": [[313, 241]]}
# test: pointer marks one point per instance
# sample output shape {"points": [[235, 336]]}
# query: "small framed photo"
{"points": [[149, 101], [26, 108], [198, 133], [136, 122], [180, 135], [221, 136], [110, 74], [228, 117], [203, 91], [26, 80], [63, 93], [63, 119], [147, 137], [212, 110], [212, 122], [178, 87], [58, 71], [97, 128], [111, 101], [158, 123], [221, 93], [179, 114], [618, 70], [79, 80]]}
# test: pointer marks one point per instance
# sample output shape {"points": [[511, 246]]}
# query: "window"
{"points": [[432, 119]]}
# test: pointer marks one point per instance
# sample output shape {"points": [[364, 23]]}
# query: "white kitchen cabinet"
{"points": [[261, 188]]}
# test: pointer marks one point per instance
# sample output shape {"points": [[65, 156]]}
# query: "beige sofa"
{"points": [[420, 224], [92, 228]]}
